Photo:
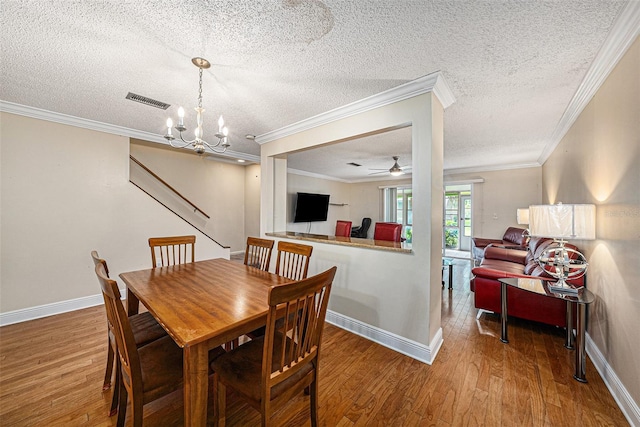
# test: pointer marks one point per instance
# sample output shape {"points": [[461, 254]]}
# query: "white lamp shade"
{"points": [[563, 221], [522, 216]]}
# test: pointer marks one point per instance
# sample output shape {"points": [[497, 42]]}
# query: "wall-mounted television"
{"points": [[311, 207]]}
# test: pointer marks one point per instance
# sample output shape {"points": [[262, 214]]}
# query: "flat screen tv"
{"points": [[311, 207]]}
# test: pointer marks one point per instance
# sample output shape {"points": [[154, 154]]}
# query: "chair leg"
{"points": [[108, 371], [137, 409], [122, 404], [219, 401], [314, 403], [116, 390]]}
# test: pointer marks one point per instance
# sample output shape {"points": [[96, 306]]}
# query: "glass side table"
{"points": [[581, 299], [447, 262]]}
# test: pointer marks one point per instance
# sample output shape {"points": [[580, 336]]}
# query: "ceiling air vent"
{"points": [[353, 164], [147, 101]]}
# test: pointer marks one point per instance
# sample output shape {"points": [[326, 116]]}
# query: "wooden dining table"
{"points": [[202, 305]]}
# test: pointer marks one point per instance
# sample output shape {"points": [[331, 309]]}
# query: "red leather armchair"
{"points": [[343, 228], [387, 231]]}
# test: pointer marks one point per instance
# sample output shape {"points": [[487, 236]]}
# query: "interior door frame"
{"points": [[464, 242], [459, 186]]}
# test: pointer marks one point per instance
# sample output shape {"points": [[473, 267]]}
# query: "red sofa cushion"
{"points": [[512, 255], [515, 235]]}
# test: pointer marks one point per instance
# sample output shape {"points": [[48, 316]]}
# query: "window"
{"points": [[398, 208]]}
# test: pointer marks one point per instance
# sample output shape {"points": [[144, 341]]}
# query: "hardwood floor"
{"points": [[51, 374]]}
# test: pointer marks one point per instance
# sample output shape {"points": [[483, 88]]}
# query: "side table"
{"points": [[447, 262], [581, 299]]}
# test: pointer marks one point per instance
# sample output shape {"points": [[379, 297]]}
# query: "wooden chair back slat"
{"points": [[173, 250], [258, 253], [117, 316], [293, 260], [295, 340]]}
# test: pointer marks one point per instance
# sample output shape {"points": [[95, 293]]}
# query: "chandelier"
{"points": [[198, 143]]}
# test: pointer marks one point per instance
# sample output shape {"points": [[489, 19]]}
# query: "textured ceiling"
{"points": [[513, 66]]}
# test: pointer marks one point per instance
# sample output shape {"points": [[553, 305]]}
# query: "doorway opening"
{"points": [[458, 221]]}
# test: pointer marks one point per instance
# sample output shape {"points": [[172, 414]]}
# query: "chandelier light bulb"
{"points": [[180, 116], [225, 131], [169, 125], [220, 124]]}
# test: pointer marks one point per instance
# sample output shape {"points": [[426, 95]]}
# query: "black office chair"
{"points": [[361, 231]]}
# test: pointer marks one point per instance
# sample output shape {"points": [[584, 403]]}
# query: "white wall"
{"points": [[366, 201], [65, 192], [252, 201], [598, 161], [396, 293], [496, 200], [338, 192], [215, 187], [361, 200]]}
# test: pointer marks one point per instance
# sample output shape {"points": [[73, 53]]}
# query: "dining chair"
{"points": [[343, 228], [145, 329], [389, 231], [361, 230], [293, 263], [172, 250], [148, 372], [268, 371], [293, 260], [258, 253]]}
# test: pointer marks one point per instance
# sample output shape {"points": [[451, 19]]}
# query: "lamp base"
{"points": [[563, 288]]}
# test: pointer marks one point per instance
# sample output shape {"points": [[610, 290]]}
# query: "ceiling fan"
{"points": [[395, 170]]}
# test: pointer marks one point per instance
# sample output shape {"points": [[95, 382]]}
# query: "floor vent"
{"points": [[147, 101]]}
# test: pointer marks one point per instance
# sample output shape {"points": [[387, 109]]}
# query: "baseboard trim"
{"points": [[622, 397], [390, 340], [46, 310]]}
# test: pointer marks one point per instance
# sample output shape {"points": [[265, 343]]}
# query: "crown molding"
{"points": [[464, 181], [433, 82], [625, 30], [65, 119], [316, 175], [491, 168]]}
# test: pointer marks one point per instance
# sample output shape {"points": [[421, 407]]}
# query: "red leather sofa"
{"points": [[512, 237], [502, 262]]}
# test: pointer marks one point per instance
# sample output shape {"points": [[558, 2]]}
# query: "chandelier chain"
{"points": [[200, 90]]}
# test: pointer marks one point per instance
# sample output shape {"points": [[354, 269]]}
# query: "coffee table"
{"points": [[581, 299], [448, 262]]}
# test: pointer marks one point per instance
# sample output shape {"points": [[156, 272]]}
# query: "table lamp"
{"points": [[562, 222], [522, 217]]}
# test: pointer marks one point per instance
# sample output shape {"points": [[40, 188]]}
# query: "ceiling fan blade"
{"points": [[378, 173]]}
